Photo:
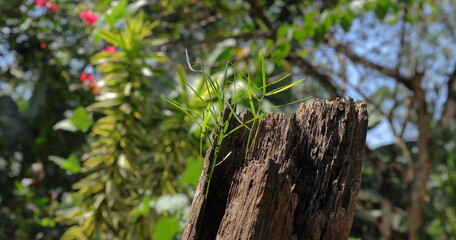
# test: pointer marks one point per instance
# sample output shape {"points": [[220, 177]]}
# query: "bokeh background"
{"points": [[90, 148]]}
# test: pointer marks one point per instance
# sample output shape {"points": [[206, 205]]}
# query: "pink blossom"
{"points": [[53, 7], [41, 3], [110, 49], [90, 83], [43, 45], [84, 77], [89, 16]]}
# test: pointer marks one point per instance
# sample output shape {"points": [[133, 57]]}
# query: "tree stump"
{"points": [[299, 180]]}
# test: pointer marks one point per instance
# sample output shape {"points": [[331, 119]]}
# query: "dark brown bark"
{"points": [[299, 180], [423, 164], [449, 108]]}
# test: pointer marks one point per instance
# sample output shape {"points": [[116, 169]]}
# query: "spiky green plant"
{"points": [[130, 160], [213, 95]]}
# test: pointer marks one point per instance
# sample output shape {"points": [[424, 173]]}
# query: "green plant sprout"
{"points": [[224, 93]]}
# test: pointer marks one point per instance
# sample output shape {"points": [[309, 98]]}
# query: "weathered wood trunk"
{"points": [[299, 180]]}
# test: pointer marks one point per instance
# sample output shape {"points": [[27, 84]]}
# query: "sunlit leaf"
{"points": [[116, 12], [20, 189], [225, 55], [278, 90], [142, 208], [70, 164], [103, 57], [282, 31], [47, 222], [104, 104], [159, 57], [157, 41], [135, 6], [166, 228], [282, 50], [110, 37], [81, 119], [66, 125], [192, 172], [109, 66]]}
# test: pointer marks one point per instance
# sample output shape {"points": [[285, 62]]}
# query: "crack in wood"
{"points": [[299, 180]]}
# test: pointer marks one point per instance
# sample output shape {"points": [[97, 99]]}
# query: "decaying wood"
{"points": [[299, 180]]}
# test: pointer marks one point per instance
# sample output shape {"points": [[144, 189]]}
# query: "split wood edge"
{"points": [[299, 180]]}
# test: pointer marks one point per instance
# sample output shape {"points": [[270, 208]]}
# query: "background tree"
{"points": [[397, 55]]}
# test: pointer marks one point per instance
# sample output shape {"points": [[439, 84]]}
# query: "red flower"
{"points": [[110, 49], [89, 16], [84, 77], [41, 3], [53, 7], [43, 45], [90, 83]]}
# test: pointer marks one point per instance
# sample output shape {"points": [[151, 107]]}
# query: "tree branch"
{"points": [[394, 73], [423, 166], [257, 10], [309, 69], [449, 108], [243, 36]]}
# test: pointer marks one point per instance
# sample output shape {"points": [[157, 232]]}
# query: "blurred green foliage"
{"points": [[133, 159], [124, 167]]}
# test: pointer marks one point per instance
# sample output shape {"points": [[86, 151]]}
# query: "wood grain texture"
{"points": [[299, 180]]}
